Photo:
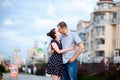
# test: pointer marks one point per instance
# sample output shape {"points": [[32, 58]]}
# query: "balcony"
{"points": [[100, 47], [112, 22], [100, 34], [103, 10]]}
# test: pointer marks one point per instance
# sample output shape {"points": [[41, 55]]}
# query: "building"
{"points": [[16, 57], [36, 55], [117, 36], [103, 34], [81, 30]]}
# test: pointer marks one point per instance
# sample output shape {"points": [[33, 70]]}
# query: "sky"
{"points": [[22, 22]]}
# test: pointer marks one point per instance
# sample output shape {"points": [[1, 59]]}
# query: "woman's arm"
{"points": [[51, 51], [54, 45]]}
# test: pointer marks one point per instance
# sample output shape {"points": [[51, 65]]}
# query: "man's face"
{"points": [[61, 30]]}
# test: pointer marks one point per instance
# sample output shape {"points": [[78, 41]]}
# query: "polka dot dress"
{"points": [[55, 62]]}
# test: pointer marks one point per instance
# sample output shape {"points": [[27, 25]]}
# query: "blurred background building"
{"points": [[101, 35], [16, 57], [36, 55]]}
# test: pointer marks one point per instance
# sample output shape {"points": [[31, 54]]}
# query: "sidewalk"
{"points": [[26, 77]]}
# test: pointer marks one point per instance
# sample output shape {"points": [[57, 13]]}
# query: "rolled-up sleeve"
{"points": [[76, 38]]}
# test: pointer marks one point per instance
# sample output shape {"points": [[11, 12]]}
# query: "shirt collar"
{"points": [[67, 33]]}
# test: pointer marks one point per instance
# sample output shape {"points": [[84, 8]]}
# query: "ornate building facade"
{"points": [[103, 34]]}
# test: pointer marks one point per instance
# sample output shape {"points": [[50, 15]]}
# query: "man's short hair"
{"points": [[62, 24]]}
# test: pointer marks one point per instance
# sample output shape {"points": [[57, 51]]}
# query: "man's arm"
{"points": [[78, 52]]}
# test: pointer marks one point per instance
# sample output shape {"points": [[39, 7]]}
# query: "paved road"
{"points": [[26, 77]]}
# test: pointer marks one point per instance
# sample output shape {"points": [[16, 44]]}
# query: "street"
{"points": [[26, 77]]}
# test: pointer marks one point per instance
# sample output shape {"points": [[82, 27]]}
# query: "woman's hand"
{"points": [[71, 48]]}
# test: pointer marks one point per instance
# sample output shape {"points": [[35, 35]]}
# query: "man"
{"points": [[70, 38]]}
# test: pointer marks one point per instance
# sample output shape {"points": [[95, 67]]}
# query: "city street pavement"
{"points": [[26, 77]]}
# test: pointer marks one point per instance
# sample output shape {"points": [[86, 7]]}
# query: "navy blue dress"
{"points": [[54, 66]]}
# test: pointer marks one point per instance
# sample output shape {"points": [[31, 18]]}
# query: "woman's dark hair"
{"points": [[52, 33], [62, 24]]}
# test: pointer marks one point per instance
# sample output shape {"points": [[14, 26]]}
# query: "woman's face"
{"points": [[57, 32]]}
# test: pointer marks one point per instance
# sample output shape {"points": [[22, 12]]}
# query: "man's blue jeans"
{"points": [[70, 71]]}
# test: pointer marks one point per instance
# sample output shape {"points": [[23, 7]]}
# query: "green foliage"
{"points": [[42, 64], [93, 77], [98, 72], [41, 71], [41, 68], [2, 68], [1, 74], [20, 69], [89, 77]]}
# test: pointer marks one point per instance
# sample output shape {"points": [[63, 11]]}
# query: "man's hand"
{"points": [[72, 59], [79, 51]]}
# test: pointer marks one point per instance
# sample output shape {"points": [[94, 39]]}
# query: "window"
{"points": [[87, 35], [119, 53], [91, 33], [102, 16], [100, 29], [100, 6], [91, 45], [87, 46], [81, 35], [116, 54], [113, 15], [100, 41], [100, 53], [110, 5], [99, 16], [106, 6]]}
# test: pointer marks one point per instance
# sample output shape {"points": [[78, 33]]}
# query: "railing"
{"points": [[112, 21]]}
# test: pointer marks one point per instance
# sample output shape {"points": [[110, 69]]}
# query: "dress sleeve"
{"points": [[52, 42]]}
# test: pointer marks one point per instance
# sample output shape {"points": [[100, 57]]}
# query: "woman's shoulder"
{"points": [[53, 40]]}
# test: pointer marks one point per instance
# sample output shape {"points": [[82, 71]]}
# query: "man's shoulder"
{"points": [[73, 32]]}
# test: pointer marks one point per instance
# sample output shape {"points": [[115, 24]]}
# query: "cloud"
{"points": [[82, 5], [78, 5], [10, 22], [43, 23], [6, 3], [14, 37], [47, 24], [42, 38], [50, 9]]}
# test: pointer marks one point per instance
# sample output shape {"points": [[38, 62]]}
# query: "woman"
{"points": [[55, 62]]}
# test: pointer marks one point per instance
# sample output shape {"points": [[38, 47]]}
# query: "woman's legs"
{"points": [[55, 77]]}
